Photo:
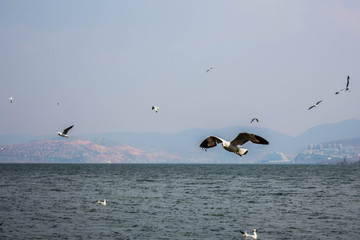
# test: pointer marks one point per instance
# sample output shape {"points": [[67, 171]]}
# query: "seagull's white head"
{"points": [[225, 144]]}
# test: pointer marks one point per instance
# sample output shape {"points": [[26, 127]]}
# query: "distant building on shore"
{"points": [[275, 158], [329, 153]]}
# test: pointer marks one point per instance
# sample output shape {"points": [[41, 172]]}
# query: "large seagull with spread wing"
{"points": [[234, 145]]}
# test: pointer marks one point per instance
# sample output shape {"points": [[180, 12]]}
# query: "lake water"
{"points": [[59, 201]]}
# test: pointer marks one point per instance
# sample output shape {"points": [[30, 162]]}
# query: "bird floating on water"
{"points": [[347, 86], [155, 108], [249, 236], [64, 132], [254, 119], [11, 99], [102, 203], [234, 145], [3, 148], [315, 105], [209, 69]]}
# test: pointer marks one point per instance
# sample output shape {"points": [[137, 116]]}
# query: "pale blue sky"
{"points": [[108, 62]]}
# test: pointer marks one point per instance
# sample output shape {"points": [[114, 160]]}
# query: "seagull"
{"points": [[11, 99], [156, 108], [208, 70], [347, 86], [254, 119], [249, 236], [102, 203], [315, 105], [64, 132], [3, 148], [234, 145]]}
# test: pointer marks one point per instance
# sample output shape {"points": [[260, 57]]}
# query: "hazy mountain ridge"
{"points": [[346, 142], [168, 147], [80, 151], [346, 129]]}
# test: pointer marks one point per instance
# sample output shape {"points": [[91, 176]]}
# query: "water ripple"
{"points": [[58, 201]]}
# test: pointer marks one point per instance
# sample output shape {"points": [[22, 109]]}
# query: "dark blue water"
{"points": [[58, 201]]}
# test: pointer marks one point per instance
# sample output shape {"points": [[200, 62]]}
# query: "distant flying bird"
{"points": [[11, 99], [3, 149], [249, 236], [315, 105], [155, 108], [254, 119], [234, 145], [209, 69], [347, 86], [64, 133], [102, 203]]}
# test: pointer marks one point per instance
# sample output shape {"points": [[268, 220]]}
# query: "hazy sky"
{"points": [[108, 62]]}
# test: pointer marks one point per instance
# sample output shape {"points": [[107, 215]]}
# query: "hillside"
{"points": [[346, 129], [79, 151]]}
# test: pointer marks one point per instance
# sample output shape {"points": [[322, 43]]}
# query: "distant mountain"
{"points": [[18, 138], [179, 147], [79, 151], [330, 132], [346, 142]]}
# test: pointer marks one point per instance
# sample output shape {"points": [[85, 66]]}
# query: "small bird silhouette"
{"points": [[315, 105]]}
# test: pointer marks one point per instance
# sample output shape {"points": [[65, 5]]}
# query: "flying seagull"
{"points": [[208, 70], [234, 145], [155, 108], [102, 203], [347, 86], [249, 236], [315, 105], [254, 119], [11, 99], [64, 132]]}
